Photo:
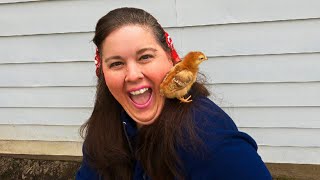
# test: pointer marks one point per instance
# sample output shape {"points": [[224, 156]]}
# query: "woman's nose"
{"points": [[133, 73]]}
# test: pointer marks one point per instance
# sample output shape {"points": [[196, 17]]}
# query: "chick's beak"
{"points": [[204, 57]]}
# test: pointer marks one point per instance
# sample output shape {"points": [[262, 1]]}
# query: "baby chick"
{"points": [[180, 78]]}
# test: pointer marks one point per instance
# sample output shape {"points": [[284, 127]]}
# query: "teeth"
{"points": [[140, 91]]}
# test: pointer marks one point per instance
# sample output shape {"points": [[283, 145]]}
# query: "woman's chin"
{"points": [[145, 118]]}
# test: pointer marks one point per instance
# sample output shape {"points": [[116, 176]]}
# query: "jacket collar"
{"points": [[129, 124]]}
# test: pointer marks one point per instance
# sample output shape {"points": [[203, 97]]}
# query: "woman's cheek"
{"points": [[113, 82]]}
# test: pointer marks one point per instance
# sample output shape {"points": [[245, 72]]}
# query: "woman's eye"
{"points": [[115, 64], [146, 57]]}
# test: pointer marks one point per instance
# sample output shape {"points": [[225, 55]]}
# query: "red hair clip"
{"points": [[97, 61], [174, 54]]}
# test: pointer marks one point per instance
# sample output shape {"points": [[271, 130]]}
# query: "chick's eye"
{"points": [[115, 64]]}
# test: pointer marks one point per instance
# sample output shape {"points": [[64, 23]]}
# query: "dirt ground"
{"points": [[36, 168], [33, 169]]}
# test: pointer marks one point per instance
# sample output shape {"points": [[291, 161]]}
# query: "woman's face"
{"points": [[134, 65]]}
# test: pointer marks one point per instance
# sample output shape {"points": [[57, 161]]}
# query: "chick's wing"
{"points": [[181, 80]]}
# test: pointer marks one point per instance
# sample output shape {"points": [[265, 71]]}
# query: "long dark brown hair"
{"points": [[106, 148]]}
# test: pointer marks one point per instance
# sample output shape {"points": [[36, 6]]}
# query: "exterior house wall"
{"points": [[263, 69]]}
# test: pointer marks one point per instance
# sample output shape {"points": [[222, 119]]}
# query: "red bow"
{"points": [[97, 61], [174, 54]]}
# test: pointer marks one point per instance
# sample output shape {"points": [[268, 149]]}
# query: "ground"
{"points": [[36, 169], [41, 168]]}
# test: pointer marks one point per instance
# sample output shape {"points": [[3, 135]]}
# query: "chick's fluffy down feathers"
{"points": [[180, 78]]}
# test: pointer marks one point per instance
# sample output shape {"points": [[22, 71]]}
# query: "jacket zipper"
{"points": [[128, 140], [144, 176]]}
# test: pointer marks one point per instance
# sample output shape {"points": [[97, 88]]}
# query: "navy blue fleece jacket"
{"points": [[230, 154]]}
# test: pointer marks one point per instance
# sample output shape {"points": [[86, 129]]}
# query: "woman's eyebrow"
{"points": [[138, 52], [145, 49], [112, 57]]}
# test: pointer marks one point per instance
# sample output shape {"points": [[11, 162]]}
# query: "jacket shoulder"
{"points": [[225, 153], [214, 125], [205, 112]]}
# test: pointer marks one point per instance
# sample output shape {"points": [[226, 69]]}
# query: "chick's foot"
{"points": [[187, 100]]}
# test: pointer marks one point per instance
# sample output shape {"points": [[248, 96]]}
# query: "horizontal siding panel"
{"points": [[226, 95], [15, 1], [47, 97], [295, 155], [253, 39], [291, 117], [236, 69], [204, 12], [224, 40], [267, 68], [212, 12], [44, 48], [296, 137], [266, 94], [48, 74], [52, 47], [73, 16], [44, 116], [40, 133]]}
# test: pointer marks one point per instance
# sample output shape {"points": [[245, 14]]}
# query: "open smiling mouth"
{"points": [[141, 97]]}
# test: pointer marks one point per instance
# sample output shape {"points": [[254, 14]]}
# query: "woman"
{"points": [[135, 133]]}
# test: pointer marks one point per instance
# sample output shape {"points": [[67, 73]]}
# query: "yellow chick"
{"points": [[180, 78]]}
